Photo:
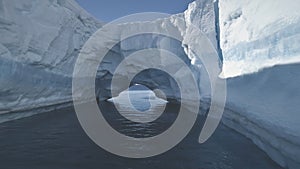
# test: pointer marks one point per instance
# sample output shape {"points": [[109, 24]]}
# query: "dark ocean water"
{"points": [[55, 140]]}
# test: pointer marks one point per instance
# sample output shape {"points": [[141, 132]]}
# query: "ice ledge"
{"points": [[27, 111], [265, 107], [282, 150]]}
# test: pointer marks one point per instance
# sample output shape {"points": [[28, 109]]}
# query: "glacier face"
{"points": [[40, 41], [200, 15], [257, 34], [265, 107], [262, 100]]}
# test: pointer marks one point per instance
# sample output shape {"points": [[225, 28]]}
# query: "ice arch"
{"points": [[162, 84], [151, 78]]}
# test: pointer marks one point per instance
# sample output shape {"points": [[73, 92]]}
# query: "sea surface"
{"points": [[55, 140]]}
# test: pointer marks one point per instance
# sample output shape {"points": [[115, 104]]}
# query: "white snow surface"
{"points": [[257, 34]]}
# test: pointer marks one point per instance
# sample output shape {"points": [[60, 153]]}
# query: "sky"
{"points": [[109, 10]]}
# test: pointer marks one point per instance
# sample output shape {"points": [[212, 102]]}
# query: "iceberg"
{"points": [[265, 107], [260, 46], [41, 40], [257, 34]]}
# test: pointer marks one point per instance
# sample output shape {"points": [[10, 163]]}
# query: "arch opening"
{"points": [[152, 79], [140, 97]]}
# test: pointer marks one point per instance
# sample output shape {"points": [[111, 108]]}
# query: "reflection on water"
{"points": [[56, 140]]}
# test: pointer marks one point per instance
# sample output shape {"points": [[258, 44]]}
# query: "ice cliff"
{"points": [[200, 14], [257, 34], [264, 106], [39, 44], [41, 41], [262, 100]]}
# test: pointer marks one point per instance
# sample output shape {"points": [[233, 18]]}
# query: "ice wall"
{"points": [[199, 15], [202, 14], [257, 34], [39, 43], [262, 100], [265, 107]]}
